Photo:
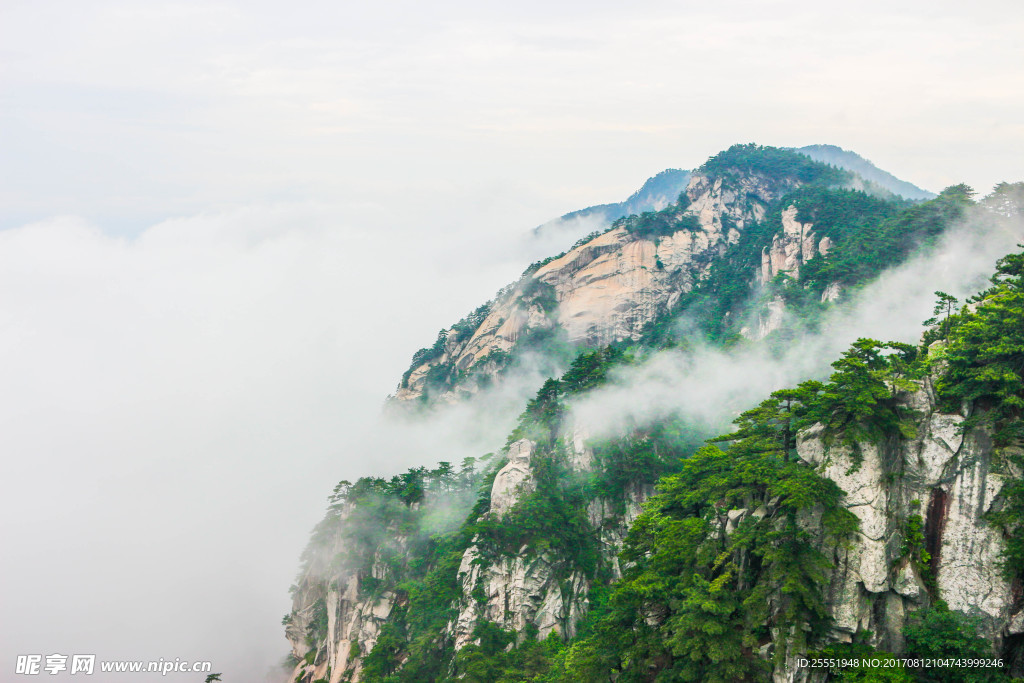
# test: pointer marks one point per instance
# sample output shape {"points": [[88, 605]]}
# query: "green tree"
{"points": [[986, 355], [444, 476], [543, 415], [985, 358], [942, 313], [467, 471], [940, 633], [718, 559], [859, 403]]}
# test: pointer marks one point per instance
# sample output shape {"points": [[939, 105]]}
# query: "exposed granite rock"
{"points": [[514, 479], [540, 589], [948, 479], [789, 251], [353, 626], [793, 247], [517, 591], [609, 288], [831, 292]]}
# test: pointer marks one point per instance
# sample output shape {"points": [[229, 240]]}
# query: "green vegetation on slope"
{"points": [[699, 601], [772, 162], [705, 589], [782, 166], [985, 357], [870, 239], [718, 565], [869, 235]]}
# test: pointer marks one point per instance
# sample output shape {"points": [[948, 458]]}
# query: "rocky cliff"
{"points": [[353, 624], [791, 248], [920, 501], [746, 217], [922, 506], [545, 590], [342, 608], [611, 286], [838, 514]]}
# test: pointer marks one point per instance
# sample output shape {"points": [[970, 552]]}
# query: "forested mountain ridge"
{"points": [[744, 207], [662, 189], [876, 510], [837, 156], [657, 192]]}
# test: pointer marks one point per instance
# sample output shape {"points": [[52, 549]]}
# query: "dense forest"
{"points": [[694, 603], [723, 573], [870, 233]]}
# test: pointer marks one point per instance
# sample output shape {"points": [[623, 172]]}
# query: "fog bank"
{"points": [[711, 386], [176, 407]]}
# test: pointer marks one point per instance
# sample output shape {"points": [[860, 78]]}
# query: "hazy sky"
{"points": [[128, 112], [227, 226]]}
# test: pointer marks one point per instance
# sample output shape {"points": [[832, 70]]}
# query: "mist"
{"points": [[177, 407], [710, 386], [226, 227]]}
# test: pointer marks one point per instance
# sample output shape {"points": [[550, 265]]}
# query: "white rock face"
{"points": [[607, 294], [795, 246], [948, 480], [518, 591], [789, 251], [581, 455], [353, 626], [539, 588], [941, 475], [611, 287], [514, 479], [769, 320], [831, 292], [530, 588]]}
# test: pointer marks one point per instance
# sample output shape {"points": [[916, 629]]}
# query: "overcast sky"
{"points": [[128, 112], [225, 227]]}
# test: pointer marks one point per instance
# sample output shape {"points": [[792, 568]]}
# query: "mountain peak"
{"points": [[851, 161]]}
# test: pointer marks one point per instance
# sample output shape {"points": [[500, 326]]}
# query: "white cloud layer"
{"points": [[178, 395], [128, 113], [711, 386], [175, 409]]}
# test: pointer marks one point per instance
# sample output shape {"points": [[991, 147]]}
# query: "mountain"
{"points": [[872, 509], [663, 189], [851, 161], [655, 194], [728, 224]]}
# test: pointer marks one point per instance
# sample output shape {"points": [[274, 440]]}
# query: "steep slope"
{"points": [[851, 161], [609, 287], [550, 519], [657, 193], [747, 216], [878, 512]]}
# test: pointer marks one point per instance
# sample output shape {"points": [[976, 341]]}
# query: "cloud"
{"points": [[177, 396], [711, 386], [135, 114], [176, 407]]}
